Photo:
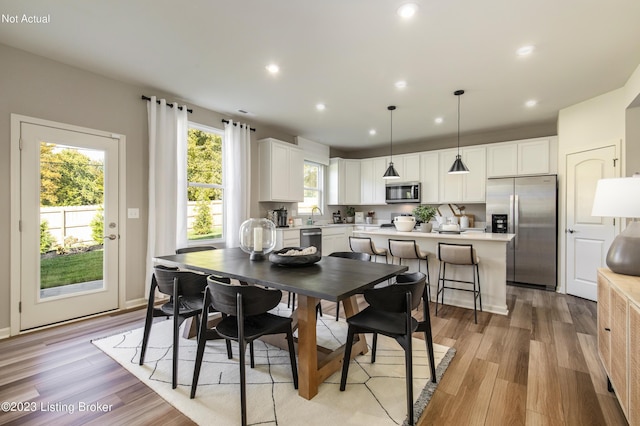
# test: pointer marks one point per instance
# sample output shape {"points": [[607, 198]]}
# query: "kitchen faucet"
{"points": [[314, 208]]}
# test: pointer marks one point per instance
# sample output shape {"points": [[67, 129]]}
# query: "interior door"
{"points": [[588, 237], [69, 224]]}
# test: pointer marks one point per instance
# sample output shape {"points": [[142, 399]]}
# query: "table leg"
{"points": [[307, 351]]}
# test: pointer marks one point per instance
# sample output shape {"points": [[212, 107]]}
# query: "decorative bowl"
{"points": [[404, 223], [277, 258]]}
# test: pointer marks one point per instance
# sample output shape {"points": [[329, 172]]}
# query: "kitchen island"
{"points": [[490, 248]]}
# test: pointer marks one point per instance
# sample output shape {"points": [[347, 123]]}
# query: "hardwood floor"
{"points": [[538, 366]]}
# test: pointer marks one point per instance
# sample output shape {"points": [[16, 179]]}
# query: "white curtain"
{"points": [[237, 177], [167, 207]]}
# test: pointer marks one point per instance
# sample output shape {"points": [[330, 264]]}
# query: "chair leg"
{"points": [[176, 336], [475, 297], [252, 361], [479, 290], [374, 346], [147, 330], [408, 361], [292, 358], [202, 341], [337, 311], [347, 358], [243, 390]]}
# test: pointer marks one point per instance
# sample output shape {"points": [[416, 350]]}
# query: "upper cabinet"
{"points": [[468, 187], [520, 158], [281, 171], [430, 177], [344, 181], [408, 167], [372, 184]]}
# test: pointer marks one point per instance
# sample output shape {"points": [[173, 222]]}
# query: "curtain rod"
{"points": [[146, 98], [235, 124]]}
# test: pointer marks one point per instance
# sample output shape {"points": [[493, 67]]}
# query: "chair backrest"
{"points": [[405, 249], [361, 245], [191, 283], [255, 300], [194, 248], [352, 255], [457, 254], [393, 298]]}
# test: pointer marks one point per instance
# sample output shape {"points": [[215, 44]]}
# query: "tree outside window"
{"points": [[313, 187], [205, 191]]}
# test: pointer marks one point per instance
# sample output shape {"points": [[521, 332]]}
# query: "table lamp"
{"points": [[257, 237], [620, 197]]}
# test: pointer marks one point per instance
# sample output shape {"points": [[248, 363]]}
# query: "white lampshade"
{"points": [[618, 197]]}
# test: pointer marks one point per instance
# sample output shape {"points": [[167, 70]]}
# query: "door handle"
{"points": [[110, 237], [571, 231]]}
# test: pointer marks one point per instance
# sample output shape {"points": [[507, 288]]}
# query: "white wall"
{"points": [[595, 122]]}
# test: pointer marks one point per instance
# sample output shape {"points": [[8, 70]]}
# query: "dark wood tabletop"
{"points": [[332, 278]]}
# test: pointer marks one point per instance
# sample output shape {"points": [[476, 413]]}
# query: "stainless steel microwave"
{"points": [[408, 192]]}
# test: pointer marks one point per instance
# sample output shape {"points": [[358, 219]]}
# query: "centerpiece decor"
{"points": [[257, 237], [351, 212], [424, 214]]}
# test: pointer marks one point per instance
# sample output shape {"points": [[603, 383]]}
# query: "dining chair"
{"points": [[409, 249], [185, 290], [247, 318], [389, 314], [366, 257]]}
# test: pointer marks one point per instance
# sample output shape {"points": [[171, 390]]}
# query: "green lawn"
{"points": [[71, 269]]}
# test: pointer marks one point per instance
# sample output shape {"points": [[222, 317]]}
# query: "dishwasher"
{"points": [[311, 237]]}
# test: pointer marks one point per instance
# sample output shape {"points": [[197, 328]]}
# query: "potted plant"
{"points": [[424, 214], [351, 212]]}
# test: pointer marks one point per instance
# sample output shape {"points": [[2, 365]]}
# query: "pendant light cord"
{"points": [[391, 138], [459, 124]]}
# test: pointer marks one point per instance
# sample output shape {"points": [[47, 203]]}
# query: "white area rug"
{"points": [[375, 393]]}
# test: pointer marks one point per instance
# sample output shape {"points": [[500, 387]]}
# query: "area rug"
{"points": [[375, 393]]}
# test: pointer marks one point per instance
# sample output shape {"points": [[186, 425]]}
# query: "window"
{"points": [[313, 187], [205, 189]]}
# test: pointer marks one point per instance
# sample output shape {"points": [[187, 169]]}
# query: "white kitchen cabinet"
{"points": [[286, 237], [281, 171], [468, 187], [521, 158], [372, 184], [408, 167], [335, 238], [430, 177], [344, 181]]}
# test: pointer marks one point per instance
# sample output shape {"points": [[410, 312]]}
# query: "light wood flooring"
{"points": [[537, 366]]}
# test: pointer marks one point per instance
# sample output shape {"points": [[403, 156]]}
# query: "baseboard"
{"points": [[135, 303], [5, 333]]}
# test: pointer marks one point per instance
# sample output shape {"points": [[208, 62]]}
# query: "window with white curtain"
{"points": [[205, 188], [313, 187]]}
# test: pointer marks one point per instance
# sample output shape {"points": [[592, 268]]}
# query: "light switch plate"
{"points": [[133, 213]]}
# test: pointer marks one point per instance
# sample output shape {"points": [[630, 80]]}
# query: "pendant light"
{"points": [[458, 166], [391, 172]]}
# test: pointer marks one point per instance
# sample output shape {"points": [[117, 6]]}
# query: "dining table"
{"points": [[332, 278]]}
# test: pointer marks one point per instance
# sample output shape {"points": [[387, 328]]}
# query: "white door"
{"points": [[588, 237], [69, 224]]}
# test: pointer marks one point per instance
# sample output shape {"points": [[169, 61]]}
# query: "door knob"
{"points": [[571, 231], [110, 237]]}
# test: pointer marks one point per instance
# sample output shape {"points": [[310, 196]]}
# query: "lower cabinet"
{"points": [[619, 337], [287, 238], [335, 239]]}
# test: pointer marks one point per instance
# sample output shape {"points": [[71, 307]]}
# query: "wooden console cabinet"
{"points": [[619, 337]]}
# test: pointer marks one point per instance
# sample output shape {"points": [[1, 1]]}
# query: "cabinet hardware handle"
{"points": [[607, 329]]}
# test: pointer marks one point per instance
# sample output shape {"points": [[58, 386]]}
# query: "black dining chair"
{"points": [[247, 319], [389, 314], [185, 290], [366, 257]]}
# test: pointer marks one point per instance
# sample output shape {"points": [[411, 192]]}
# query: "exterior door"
{"points": [[588, 237], [69, 224]]}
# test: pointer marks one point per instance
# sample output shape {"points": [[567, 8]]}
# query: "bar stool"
{"points": [[459, 254], [365, 245], [408, 249]]}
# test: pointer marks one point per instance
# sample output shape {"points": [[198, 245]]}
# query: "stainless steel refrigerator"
{"points": [[527, 207]]}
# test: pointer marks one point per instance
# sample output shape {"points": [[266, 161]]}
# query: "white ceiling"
{"points": [[348, 54]]}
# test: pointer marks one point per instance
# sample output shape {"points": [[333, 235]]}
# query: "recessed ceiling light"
{"points": [[531, 103], [401, 84], [525, 50], [372, 132], [407, 10], [321, 107], [273, 68], [438, 120]]}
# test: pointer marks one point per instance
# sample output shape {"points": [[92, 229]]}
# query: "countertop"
{"points": [[465, 236]]}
